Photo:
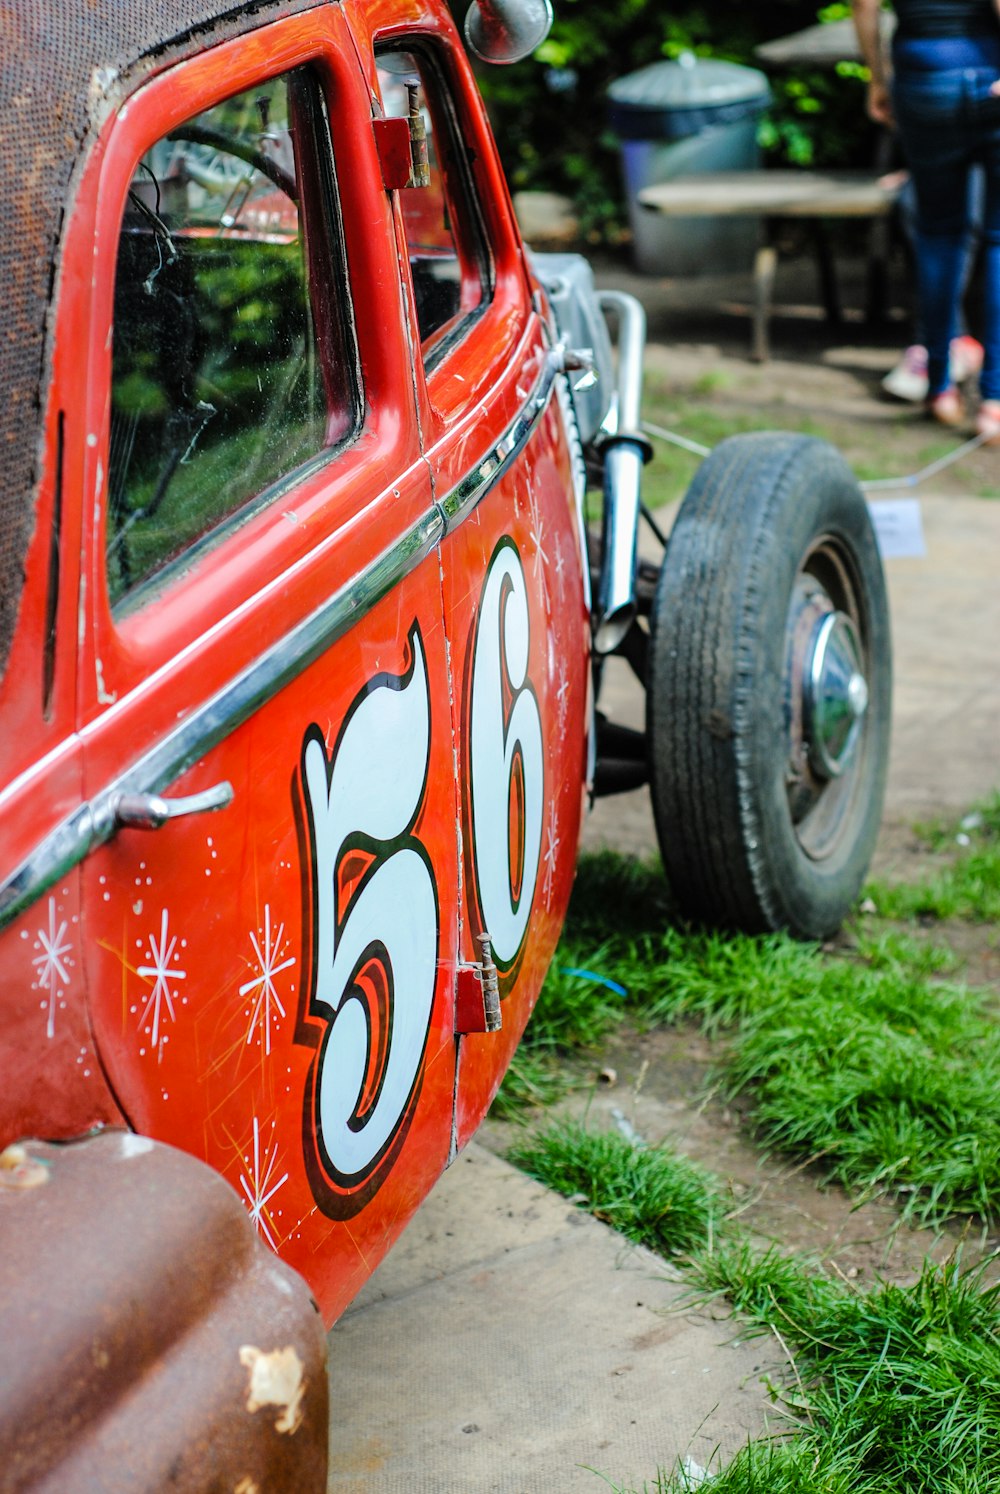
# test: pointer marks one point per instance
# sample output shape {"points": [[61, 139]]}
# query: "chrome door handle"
{"points": [[150, 811]]}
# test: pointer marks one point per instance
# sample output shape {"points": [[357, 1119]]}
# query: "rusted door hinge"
{"points": [[401, 143], [477, 993]]}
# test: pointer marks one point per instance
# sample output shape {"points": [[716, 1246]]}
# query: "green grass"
{"points": [[870, 1064], [668, 477], [652, 1195], [876, 1064], [891, 1391], [721, 402], [895, 1389], [533, 1079], [889, 1081], [712, 381], [572, 1013], [967, 886]]}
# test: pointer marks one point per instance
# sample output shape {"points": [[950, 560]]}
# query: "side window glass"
{"points": [[445, 240], [233, 360]]}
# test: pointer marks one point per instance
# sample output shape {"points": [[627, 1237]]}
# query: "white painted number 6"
{"points": [[506, 757]]}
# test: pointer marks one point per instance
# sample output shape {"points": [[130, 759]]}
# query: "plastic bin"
{"points": [[677, 119]]}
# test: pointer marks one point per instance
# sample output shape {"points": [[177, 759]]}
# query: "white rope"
{"points": [[878, 484], [675, 440], [913, 479]]}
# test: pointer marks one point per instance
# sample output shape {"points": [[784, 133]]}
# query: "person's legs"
{"points": [[907, 207], [989, 379], [939, 279], [929, 115]]}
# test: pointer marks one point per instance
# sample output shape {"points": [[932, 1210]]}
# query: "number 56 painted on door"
{"points": [[375, 923]]}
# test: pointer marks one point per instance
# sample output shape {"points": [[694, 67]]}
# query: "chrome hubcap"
{"points": [[836, 694]]}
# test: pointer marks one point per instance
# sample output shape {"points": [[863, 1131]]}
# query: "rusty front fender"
{"points": [[149, 1339]]}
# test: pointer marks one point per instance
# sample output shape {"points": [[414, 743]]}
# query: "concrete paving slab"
{"points": [[946, 638], [511, 1344]]}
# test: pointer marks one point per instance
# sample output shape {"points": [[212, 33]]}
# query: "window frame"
{"points": [[278, 548], [340, 307], [450, 394], [473, 243]]}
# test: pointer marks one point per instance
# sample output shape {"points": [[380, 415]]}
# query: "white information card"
{"points": [[898, 527]]}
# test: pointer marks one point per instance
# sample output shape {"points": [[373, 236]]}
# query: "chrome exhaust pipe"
{"points": [[625, 452]]}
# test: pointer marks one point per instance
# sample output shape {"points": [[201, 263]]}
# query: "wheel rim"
{"points": [[826, 691], [836, 695]]}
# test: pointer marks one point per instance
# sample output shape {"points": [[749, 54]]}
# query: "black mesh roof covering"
{"points": [[57, 60]]}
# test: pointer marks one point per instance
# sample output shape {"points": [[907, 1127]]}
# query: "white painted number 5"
{"points": [[366, 801]]}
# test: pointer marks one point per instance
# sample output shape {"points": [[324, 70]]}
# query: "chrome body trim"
{"points": [[95, 822], [472, 488], [61, 850]]}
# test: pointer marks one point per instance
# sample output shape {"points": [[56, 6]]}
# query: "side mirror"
{"points": [[507, 30]]}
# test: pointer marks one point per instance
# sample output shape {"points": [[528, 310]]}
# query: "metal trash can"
{"points": [[677, 119]]}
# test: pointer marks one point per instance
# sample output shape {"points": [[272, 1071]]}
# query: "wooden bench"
{"points": [[771, 195]]}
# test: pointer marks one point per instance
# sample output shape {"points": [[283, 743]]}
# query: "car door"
{"points": [[512, 561], [264, 700]]}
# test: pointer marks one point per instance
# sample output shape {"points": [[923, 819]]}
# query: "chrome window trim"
{"points": [[94, 823]]}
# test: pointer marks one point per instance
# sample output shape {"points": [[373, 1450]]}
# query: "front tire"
{"points": [[769, 690]]}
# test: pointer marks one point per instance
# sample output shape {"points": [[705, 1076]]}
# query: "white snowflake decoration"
{"points": [[256, 1184], [163, 975], [551, 851], [537, 534], [52, 964], [267, 997]]}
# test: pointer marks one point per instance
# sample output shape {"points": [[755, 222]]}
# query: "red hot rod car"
{"points": [[299, 659]]}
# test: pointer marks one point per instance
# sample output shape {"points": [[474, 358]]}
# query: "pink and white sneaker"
{"points": [[908, 380], [965, 359], [946, 408]]}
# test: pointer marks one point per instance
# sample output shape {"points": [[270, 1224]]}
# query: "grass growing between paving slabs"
{"points": [[869, 1061], [650, 1196], [893, 1389]]}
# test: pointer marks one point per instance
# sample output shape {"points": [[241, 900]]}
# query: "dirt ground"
{"points": [[700, 379], [819, 379]]}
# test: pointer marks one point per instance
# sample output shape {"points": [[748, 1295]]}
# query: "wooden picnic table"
{"points": [[784, 194], [816, 196], [820, 46]]}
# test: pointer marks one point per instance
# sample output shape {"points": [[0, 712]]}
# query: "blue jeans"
{"points": [[948, 122]]}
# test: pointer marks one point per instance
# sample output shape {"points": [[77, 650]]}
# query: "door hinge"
{"points": [[401, 143], [477, 993]]}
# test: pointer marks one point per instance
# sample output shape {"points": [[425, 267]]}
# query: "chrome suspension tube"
{"points": [[625, 450]]}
